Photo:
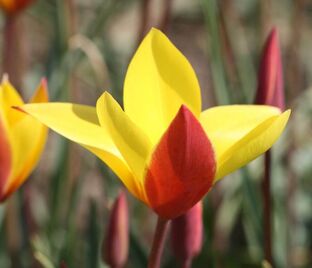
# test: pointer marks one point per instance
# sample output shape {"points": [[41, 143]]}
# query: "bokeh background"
{"points": [[83, 47]]}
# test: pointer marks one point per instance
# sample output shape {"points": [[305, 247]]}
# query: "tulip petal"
{"points": [[10, 97], [41, 93], [5, 158], [182, 167], [80, 124], [29, 138], [132, 143], [240, 133], [158, 81]]}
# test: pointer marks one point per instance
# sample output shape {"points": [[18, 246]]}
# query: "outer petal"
{"points": [[132, 143], [158, 81], [240, 133], [182, 167], [80, 124], [28, 137], [41, 94], [28, 140], [5, 158], [8, 98]]}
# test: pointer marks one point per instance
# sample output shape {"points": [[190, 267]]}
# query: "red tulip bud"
{"points": [[270, 78], [187, 234], [116, 243]]}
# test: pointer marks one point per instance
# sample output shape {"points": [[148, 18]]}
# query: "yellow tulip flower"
{"points": [[14, 6], [22, 138], [164, 149]]}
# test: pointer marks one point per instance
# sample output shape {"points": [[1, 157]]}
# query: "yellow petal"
{"points": [[158, 81], [132, 143], [79, 123], [28, 138], [240, 133], [9, 97]]}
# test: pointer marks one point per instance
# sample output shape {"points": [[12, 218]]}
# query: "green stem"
{"points": [[12, 54], [267, 208]]}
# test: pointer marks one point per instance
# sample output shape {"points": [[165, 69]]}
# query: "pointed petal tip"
{"points": [[154, 30], [122, 195], [270, 76], [41, 94], [116, 243], [5, 78], [274, 32], [182, 167], [273, 39], [106, 96], [44, 83]]}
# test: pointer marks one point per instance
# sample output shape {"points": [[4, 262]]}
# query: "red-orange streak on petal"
{"points": [[5, 160], [182, 167], [270, 79]]}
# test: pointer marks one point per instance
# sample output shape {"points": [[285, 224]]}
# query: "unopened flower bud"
{"points": [[270, 77], [187, 234], [116, 243]]}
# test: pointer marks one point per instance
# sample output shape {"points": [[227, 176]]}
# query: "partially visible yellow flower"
{"points": [[13, 6], [22, 138], [167, 152]]}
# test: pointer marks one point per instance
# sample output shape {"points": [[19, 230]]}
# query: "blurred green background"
{"points": [[83, 47]]}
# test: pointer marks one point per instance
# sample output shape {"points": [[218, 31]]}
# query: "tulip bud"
{"points": [[187, 234], [115, 246], [13, 6], [270, 77]]}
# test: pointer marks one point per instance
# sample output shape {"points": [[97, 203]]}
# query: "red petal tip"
{"points": [[44, 82]]}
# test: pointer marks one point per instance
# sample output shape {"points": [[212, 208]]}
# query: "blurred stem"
{"points": [[158, 243], [267, 205], [12, 56], [295, 81], [13, 234], [166, 14], [292, 188], [144, 19], [238, 54], [72, 16], [265, 17]]}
